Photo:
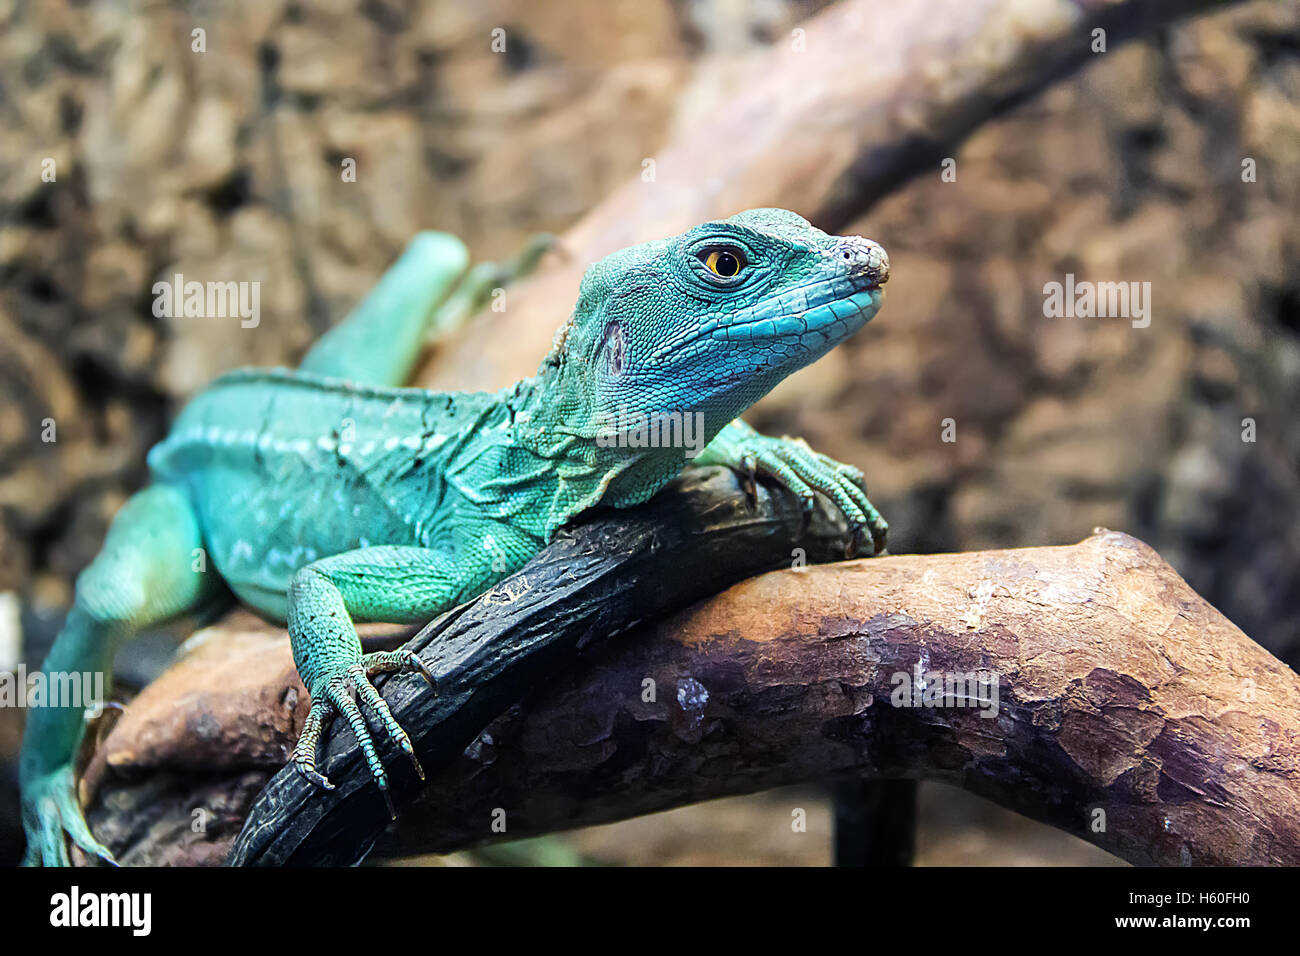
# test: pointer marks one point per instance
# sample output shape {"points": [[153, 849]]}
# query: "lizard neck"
{"points": [[615, 460]]}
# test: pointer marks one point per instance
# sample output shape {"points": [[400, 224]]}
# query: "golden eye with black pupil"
{"points": [[724, 263]]}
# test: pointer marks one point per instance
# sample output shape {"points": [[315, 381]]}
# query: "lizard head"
{"points": [[709, 321]]}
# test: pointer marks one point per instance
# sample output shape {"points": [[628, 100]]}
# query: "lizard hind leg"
{"points": [[379, 341], [485, 280], [150, 568], [425, 296]]}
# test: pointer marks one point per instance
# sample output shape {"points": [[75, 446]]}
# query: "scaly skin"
{"points": [[327, 495]]}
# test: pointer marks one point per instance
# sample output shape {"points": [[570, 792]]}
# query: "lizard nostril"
{"points": [[865, 259]]}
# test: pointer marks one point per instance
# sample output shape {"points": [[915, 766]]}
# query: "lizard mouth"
{"points": [[813, 316]]}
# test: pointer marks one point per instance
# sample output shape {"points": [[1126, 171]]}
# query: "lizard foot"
{"points": [[796, 466], [335, 699], [51, 813]]}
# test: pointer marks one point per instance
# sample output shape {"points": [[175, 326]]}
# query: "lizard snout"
{"points": [[864, 259]]}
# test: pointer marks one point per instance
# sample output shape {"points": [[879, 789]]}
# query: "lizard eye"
{"points": [[725, 263]]}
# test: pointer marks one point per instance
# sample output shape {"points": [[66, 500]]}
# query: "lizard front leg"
{"points": [[796, 466], [390, 583]]}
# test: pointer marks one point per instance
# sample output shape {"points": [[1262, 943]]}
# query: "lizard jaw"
{"points": [[829, 310]]}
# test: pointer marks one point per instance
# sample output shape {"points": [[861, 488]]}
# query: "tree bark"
{"points": [[1129, 711], [1123, 708]]}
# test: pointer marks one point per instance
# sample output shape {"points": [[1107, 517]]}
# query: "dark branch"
{"points": [[1129, 711], [592, 582]]}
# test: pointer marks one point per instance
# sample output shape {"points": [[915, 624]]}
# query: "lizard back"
{"points": [[286, 467]]}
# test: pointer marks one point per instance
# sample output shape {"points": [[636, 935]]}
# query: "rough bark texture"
{"points": [[1129, 712]]}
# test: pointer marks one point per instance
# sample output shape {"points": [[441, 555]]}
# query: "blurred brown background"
{"points": [[227, 164]]}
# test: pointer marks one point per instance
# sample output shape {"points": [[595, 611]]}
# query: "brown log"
{"points": [[871, 94], [1129, 712]]}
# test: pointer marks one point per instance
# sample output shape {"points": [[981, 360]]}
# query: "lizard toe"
{"points": [[51, 816], [335, 699], [369, 696], [803, 471], [403, 659], [346, 707], [304, 753]]}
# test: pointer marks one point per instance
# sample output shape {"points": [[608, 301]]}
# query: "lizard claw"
{"points": [[319, 779], [803, 471], [748, 470], [385, 662], [304, 753], [388, 799], [51, 815], [334, 699]]}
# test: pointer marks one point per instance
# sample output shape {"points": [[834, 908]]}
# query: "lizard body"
{"points": [[329, 494], [286, 467]]}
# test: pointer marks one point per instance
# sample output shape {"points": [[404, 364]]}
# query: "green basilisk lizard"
{"points": [[328, 494]]}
